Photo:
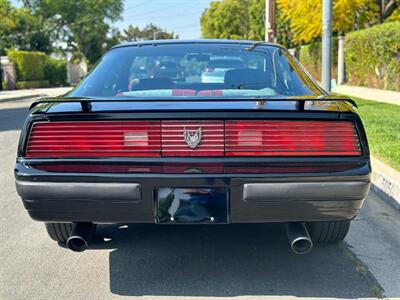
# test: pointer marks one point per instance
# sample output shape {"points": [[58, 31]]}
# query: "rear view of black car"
{"points": [[261, 143]]}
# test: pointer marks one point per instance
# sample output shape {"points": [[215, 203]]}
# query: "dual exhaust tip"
{"points": [[81, 236], [299, 238], [297, 234]]}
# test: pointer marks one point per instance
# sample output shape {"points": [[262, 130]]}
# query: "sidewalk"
{"points": [[386, 96], [32, 93]]}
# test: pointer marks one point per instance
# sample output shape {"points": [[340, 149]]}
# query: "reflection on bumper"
{"points": [[263, 192], [99, 191], [306, 191]]}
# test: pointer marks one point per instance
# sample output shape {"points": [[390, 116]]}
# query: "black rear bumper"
{"points": [[252, 198]]}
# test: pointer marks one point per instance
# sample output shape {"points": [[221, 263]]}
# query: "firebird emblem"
{"points": [[192, 139]]}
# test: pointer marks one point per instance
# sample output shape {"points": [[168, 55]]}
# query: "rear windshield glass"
{"points": [[197, 70]]}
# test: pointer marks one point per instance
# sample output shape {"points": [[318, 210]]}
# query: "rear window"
{"points": [[226, 63], [196, 70]]}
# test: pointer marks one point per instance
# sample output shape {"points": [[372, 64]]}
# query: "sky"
{"points": [[180, 16]]}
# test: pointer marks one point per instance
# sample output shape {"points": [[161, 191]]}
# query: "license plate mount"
{"points": [[192, 205]]}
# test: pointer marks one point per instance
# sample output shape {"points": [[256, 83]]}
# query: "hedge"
{"points": [[55, 70], [372, 57], [311, 55], [32, 84], [29, 64], [35, 69]]}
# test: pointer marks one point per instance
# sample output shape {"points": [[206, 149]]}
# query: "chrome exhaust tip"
{"points": [[80, 236], [299, 239]]}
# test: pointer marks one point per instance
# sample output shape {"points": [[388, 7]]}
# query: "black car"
{"points": [[265, 145]]}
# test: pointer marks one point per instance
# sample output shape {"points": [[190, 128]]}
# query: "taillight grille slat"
{"points": [[211, 138], [202, 138], [95, 139], [290, 138]]}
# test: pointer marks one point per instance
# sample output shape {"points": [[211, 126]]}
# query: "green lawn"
{"points": [[382, 123]]}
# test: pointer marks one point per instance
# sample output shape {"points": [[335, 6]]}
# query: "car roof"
{"points": [[196, 41]]}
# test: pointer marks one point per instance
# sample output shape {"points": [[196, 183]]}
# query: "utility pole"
{"points": [[326, 44], [340, 68], [270, 21]]}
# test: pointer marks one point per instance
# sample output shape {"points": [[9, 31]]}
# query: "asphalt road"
{"points": [[166, 262]]}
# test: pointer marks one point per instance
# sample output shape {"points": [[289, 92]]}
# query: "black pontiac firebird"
{"points": [[194, 132]]}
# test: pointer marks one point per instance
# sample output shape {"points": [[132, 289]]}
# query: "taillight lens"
{"points": [[95, 139], [193, 138], [291, 138]]}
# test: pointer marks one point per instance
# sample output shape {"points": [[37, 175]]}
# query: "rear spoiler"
{"points": [[86, 101]]}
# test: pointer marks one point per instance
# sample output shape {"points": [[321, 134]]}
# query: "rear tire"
{"points": [[59, 232], [328, 232]]}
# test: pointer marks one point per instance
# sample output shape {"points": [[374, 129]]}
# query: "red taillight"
{"points": [[95, 139], [193, 138], [290, 138]]}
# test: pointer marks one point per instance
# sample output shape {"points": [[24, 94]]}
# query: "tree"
{"points": [[228, 19], [283, 31], [242, 20], [305, 17], [257, 24], [22, 30], [80, 27], [395, 16], [296, 22], [387, 8], [257, 20], [149, 32]]}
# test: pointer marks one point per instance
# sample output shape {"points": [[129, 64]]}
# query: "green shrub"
{"points": [[34, 67], [55, 70], [5, 85], [32, 84], [372, 56], [29, 64], [311, 56]]}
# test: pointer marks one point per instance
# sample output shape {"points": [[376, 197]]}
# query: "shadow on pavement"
{"points": [[13, 118], [224, 261]]}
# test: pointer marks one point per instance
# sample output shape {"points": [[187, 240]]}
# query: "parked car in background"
{"points": [[216, 68], [258, 141]]}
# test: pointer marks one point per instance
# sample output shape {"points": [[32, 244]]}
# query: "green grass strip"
{"points": [[382, 124]]}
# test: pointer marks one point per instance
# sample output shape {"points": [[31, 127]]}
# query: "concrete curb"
{"points": [[23, 97], [385, 183], [387, 189]]}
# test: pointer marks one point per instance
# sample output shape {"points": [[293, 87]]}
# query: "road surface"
{"points": [[200, 262]]}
